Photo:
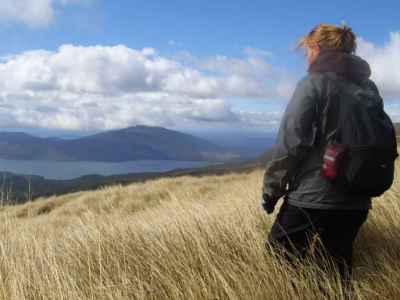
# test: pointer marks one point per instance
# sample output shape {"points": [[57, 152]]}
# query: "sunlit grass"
{"points": [[178, 238]]}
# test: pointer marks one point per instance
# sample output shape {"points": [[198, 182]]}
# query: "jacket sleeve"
{"points": [[296, 136]]}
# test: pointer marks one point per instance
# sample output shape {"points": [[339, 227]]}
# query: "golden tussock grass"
{"points": [[178, 238]]}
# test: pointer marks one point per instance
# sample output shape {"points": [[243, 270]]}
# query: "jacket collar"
{"points": [[344, 64]]}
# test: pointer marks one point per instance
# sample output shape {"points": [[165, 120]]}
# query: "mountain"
{"points": [[132, 143], [20, 188], [248, 145]]}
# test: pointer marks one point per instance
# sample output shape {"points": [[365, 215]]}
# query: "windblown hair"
{"points": [[330, 36]]}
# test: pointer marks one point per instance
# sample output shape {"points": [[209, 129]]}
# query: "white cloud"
{"points": [[34, 13], [111, 87], [385, 63], [68, 2], [263, 119], [251, 51], [251, 76], [92, 112]]}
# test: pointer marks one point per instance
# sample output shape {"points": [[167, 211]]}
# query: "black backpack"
{"points": [[360, 156]]}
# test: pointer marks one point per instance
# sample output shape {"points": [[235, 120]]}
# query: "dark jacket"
{"points": [[310, 118]]}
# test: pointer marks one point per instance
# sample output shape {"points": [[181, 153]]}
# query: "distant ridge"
{"points": [[133, 143]]}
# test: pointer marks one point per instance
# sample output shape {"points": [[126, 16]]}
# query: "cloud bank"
{"points": [[385, 64], [34, 13], [108, 87], [99, 87]]}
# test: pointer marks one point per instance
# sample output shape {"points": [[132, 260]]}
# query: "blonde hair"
{"points": [[330, 36]]}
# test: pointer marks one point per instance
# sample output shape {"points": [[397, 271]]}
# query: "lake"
{"points": [[69, 170]]}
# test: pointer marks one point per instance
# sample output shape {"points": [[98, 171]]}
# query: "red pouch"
{"points": [[333, 160]]}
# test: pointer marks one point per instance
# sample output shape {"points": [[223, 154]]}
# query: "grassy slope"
{"points": [[180, 238]]}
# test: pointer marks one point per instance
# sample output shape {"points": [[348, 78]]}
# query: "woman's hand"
{"points": [[268, 203]]}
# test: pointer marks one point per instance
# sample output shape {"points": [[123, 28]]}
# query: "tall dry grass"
{"points": [[178, 238]]}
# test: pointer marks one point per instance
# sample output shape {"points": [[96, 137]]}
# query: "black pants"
{"points": [[295, 228]]}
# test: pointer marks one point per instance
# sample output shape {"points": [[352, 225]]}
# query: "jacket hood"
{"points": [[344, 64]]}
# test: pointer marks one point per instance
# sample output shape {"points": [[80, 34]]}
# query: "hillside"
{"points": [[132, 143], [177, 238]]}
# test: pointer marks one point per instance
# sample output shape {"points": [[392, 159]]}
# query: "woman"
{"points": [[313, 205]]}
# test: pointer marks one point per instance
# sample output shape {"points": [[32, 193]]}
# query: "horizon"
{"points": [[205, 134], [83, 66]]}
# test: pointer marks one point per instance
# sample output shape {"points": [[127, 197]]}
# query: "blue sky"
{"points": [[232, 62]]}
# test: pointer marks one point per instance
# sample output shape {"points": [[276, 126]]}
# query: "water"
{"points": [[69, 170]]}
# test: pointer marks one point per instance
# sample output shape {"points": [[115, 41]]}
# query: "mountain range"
{"points": [[133, 143], [20, 188]]}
